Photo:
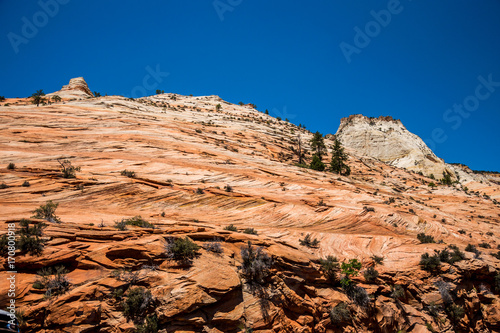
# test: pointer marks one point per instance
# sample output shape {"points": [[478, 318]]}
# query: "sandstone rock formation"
{"points": [[388, 140], [185, 153], [77, 88]]}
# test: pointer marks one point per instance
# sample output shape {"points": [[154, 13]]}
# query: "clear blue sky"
{"points": [[282, 55]]}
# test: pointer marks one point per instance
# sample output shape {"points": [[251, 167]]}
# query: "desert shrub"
{"points": [[461, 231], [454, 256], [4, 245], [497, 282], [340, 314], [471, 248], [47, 212], [138, 302], [484, 245], [431, 184], [423, 238], [2, 98], [370, 274], [357, 294], [349, 268], [128, 173], [3, 186], [397, 291], [228, 188], [181, 249], [30, 237], [429, 263], [26, 184], [496, 255], [214, 246], [231, 227], [309, 241], [121, 225], [256, 263], [199, 191], [150, 325], [378, 260], [11, 166], [250, 231], [330, 267], [126, 275], [54, 280], [117, 294], [68, 170], [434, 309], [489, 233], [369, 209], [455, 312], [138, 221], [444, 290]]}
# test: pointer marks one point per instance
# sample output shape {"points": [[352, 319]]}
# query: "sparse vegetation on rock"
{"points": [[256, 263], [309, 241], [47, 212]]}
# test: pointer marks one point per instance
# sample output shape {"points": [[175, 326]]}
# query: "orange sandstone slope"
{"points": [[184, 151]]}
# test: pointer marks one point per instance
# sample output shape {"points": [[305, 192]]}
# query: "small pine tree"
{"points": [[446, 180], [317, 164], [266, 112], [339, 157], [218, 107], [56, 98], [96, 94], [318, 144]]}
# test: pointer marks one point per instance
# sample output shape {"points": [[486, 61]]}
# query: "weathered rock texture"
{"points": [[184, 152], [388, 140], [77, 88]]}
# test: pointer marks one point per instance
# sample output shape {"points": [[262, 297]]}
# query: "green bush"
{"points": [[137, 304], [68, 170], [350, 268], [378, 260], [137, 221], [471, 248], [26, 184], [423, 238], [228, 188], [317, 164], [370, 274], [256, 263], [30, 238], [484, 245], [149, 326], [451, 257], [430, 263], [11, 166], [309, 241], [231, 227], [181, 249], [47, 212], [340, 314], [357, 294], [397, 291], [330, 267], [250, 231], [54, 280], [128, 173], [4, 245], [455, 312]]}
